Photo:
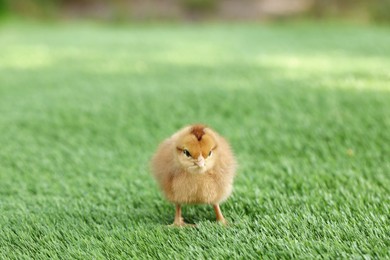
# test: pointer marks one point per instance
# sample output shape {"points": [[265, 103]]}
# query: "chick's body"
{"points": [[195, 165]]}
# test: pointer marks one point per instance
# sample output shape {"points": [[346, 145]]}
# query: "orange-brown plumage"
{"points": [[195, 165]]}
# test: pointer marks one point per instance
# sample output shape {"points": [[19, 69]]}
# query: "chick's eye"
{"points": [[210, 153], [186, 152]]}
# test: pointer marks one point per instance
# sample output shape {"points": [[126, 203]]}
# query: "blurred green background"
{"points": [[304, 103], [178, 10]]}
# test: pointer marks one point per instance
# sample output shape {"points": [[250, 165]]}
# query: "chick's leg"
{"points": [[179, 222], [178, 219], [219, 215]]}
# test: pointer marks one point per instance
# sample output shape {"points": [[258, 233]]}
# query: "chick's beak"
{"points": [[200, 162]]}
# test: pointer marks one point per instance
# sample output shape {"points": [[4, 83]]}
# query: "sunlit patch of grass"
{"points": [[332, 71], [19, 57]]}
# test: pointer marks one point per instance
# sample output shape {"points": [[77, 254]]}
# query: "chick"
{"points": [[195, 166]]}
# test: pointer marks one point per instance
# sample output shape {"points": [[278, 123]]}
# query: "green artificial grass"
{"points": [[305, 106]]}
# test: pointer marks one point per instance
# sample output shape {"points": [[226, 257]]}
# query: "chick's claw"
{"points": [[181, 223], [222, 221]]}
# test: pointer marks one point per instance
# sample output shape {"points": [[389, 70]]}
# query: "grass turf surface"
{"points": [[83, 107]]}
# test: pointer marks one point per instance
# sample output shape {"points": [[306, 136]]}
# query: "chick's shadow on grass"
{"points": [[161, 212], [191, 213], [148, 206]]}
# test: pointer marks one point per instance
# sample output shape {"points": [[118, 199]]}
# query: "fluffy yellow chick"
{"points": [[195, 166]]}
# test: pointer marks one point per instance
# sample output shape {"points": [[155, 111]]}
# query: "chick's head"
{"points": [[196, 151]]}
